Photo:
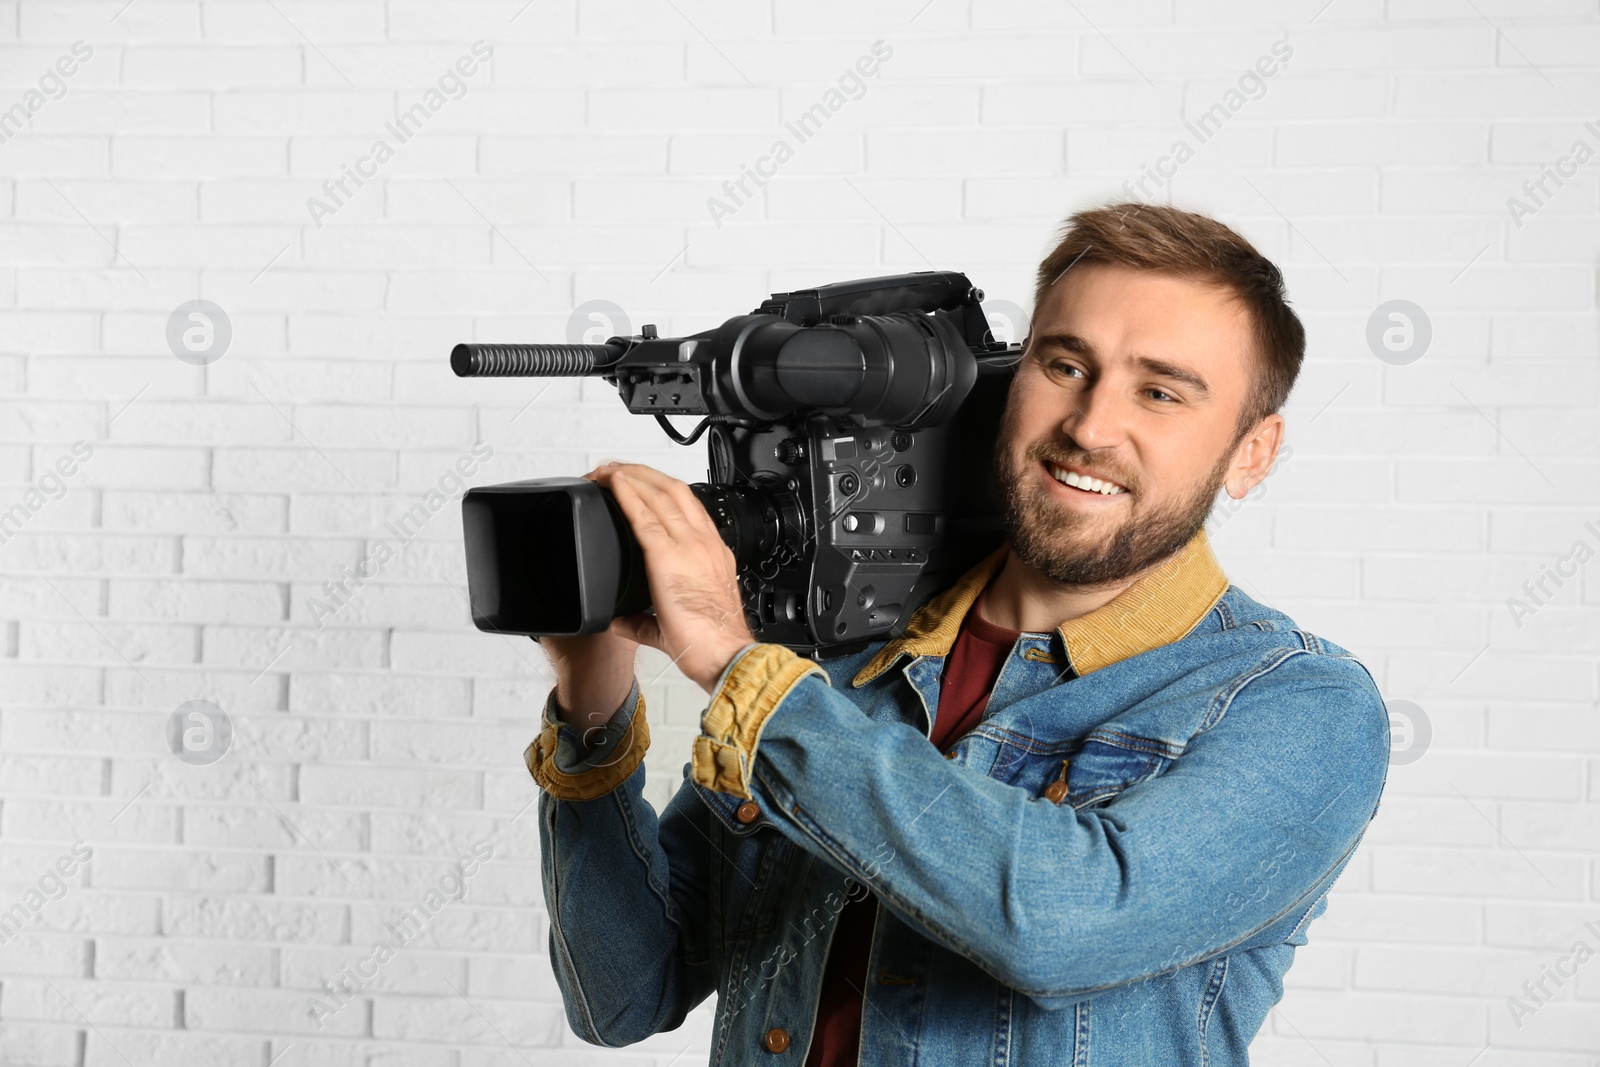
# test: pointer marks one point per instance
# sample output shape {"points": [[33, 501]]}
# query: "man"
{"points": [[1081, 811]]}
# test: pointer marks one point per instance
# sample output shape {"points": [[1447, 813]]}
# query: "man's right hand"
{"points": [[594, 672], [593, 675]]}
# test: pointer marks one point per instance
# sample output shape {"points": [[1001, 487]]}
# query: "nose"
{"points": [[1094, 418]]}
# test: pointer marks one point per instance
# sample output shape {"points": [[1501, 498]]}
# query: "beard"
{"points": [[1074, 546]]}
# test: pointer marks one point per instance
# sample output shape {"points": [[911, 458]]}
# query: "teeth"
{"points": [[1080, 481]]}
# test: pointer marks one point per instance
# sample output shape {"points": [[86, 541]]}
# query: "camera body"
{"points": [[851, 431]]}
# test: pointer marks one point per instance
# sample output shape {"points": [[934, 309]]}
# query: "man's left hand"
{"points": [[698, 617]]}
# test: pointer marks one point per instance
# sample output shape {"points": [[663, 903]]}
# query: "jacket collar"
{"points": [[1163, 605]]}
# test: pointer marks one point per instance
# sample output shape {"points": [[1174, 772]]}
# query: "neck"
{"points": [[1022, 598]]}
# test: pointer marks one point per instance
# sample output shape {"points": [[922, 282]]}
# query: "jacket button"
{"points": [[776, 1039], [748, 812], [1055, 791]]}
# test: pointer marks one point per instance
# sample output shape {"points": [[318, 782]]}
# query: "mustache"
{"points": [[1051, 452]]}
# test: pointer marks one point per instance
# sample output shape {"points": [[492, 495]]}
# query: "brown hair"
{"points": [[1156, 237]]}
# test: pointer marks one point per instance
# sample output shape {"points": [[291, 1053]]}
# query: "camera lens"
{"points": [[747, 519]]}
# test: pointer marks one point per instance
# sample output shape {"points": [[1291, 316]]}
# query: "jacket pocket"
{"points": [[1104, 766], [754, 866]]}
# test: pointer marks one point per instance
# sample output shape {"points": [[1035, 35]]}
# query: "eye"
{"points": [[1169, 396], [1061, 367]]}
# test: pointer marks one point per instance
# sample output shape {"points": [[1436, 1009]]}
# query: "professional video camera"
{"points": [[851, 430]]}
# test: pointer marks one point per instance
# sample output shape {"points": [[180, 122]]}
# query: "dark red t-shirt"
{"points": [[980, 650]]}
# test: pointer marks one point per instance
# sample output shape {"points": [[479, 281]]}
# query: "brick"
{"points": [[297, 469], [738, 245], [1405, 820], [1477, 874], [382, 694], [337, 426], [160, 156], [30, 773], [1415, 578], [166, 688], [175, 1047], [32, 551], [243, 918], [512, 111], [281, 201], [1532, 142], [253, 647], [394, 247], [95, 110], [24, 63], [113, 1004], [413, 969], [375, 604], [923, 153], [506, 288], [420, 20], [682, 108], [1564, 1027], [325, 157], [1435, 10], [519, 66], [521, 1023], [1386, 1016], [214, 66], [157, 21], [59, 956], [169, 780], [463, 652], [169, 960], [449, 833], [444, 743], [77, 731], [116, 868], [49, 1046], [213, 1008], [119, 287], [512, 976], [1513, 94], [368, 787], [1471, 972], [261, 827], [43, 153]]}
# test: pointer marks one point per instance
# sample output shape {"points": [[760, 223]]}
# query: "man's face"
{"points": [[1134, 378]]}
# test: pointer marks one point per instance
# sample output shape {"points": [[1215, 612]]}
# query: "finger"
{"points": [[642, 519], [602, 473], [682, 497], [650, 489], [643, 628]]}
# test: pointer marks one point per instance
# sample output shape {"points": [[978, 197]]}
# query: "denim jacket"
{"points": [[1113, 869]]}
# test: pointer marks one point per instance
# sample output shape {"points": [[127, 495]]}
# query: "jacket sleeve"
{"points": [[626, 892], [1245, 829]]}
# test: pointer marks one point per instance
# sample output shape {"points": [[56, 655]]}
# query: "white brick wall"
{"points": [[377, 748]]}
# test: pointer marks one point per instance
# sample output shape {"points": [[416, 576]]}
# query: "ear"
{"points": [[1254, 455]]}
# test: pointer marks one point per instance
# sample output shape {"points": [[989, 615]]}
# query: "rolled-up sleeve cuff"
{"points": [[751, 689], [573, 765]]}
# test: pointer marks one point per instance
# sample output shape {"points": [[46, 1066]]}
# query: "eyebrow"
{"points": [[1160, 367]]}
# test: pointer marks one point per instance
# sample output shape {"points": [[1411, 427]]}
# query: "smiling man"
{"points": [[1082, 810]]}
